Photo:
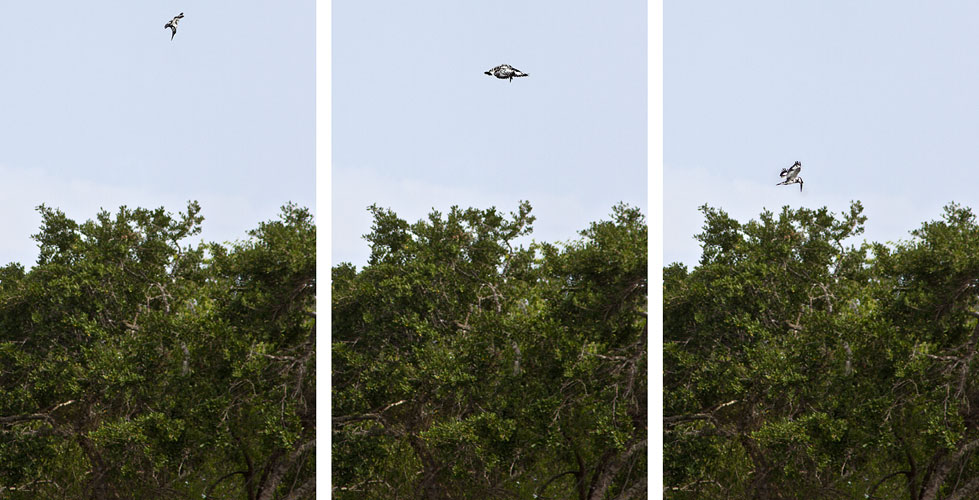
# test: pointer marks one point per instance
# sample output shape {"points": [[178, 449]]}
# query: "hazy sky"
{"points": [[99, 108], [878, 100], [416, 124]]}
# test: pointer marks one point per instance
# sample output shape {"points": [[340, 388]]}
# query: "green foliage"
{"points": [[465, 366], [797, 367], [138, 366]]}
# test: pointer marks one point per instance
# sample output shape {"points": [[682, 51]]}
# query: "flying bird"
{"points": [[505, 72], [791, 175], [173, 24]]}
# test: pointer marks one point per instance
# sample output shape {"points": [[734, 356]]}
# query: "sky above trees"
{"points": [[102, 109], [416, 124], [877, 102]]}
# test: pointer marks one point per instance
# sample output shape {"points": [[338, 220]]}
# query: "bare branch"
{"points": [[705, 415], [305, 491], [210, 488], [634, 491], [376, 415], [542, 488], [965, 491], [870, 492]]}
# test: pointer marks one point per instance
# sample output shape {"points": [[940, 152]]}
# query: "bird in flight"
{"points": [[791, 175], [173, 24], [505, 72]]}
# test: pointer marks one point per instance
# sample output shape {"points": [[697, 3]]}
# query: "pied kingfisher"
{"points": [[505, 72], [173, 24], [791, 175]]}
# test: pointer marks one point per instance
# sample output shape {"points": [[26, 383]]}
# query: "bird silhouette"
{"points": [[505, 72], [173, 24], [791, 175]]}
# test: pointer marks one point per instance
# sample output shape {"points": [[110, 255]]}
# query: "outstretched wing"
{"points": [[172, 24], [792, 171]]}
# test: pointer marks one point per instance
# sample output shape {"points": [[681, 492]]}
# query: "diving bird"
{"points": [[505, 72], [791, 175], [173, 24]]}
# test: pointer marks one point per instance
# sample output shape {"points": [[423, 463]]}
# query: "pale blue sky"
{"points": [[879, 100], [416, 124], [99, 108]]}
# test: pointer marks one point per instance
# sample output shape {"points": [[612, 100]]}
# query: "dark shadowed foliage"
{"points": [[466, 366], [798, 366], [136, 365]]}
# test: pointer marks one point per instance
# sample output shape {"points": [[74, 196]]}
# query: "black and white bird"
{"points": [[505, 72], [791, 175], [173, 24]]}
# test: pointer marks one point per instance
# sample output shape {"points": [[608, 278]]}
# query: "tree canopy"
{"points": [[798, 365], [136, 365], [466, 366]]}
